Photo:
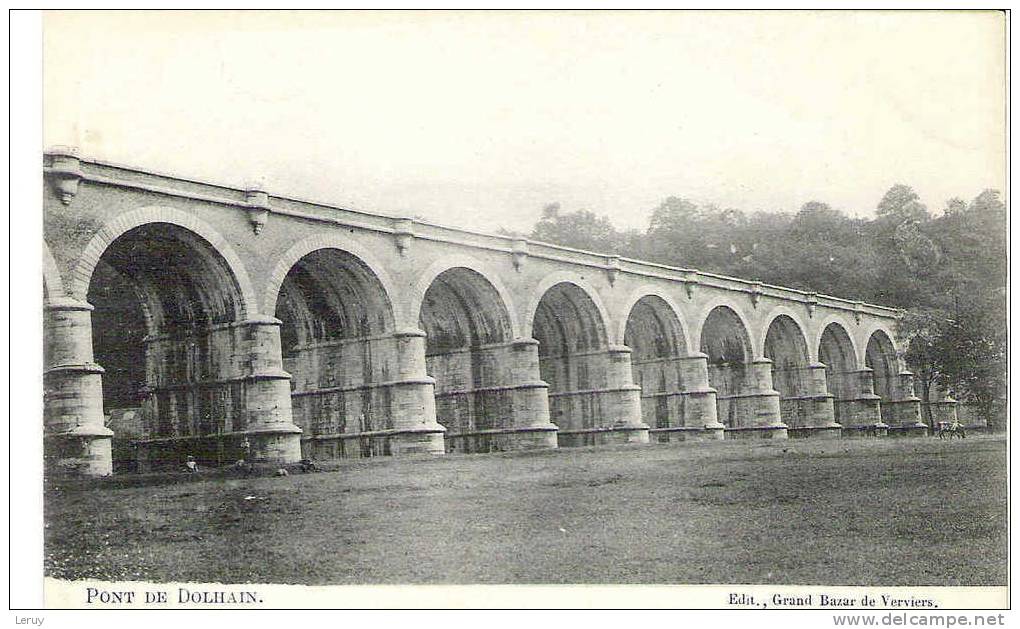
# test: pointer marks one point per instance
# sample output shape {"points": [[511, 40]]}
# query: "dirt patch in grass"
{"points": [[860, 512]]}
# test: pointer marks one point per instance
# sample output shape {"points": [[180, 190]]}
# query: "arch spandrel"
{"points": [[53, 283]]}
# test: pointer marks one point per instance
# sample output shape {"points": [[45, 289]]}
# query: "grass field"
{"points": [[843, 512]]}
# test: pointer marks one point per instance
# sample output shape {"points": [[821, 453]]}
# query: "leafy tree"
{"points": [[948, 272], [955, 205], [923, 331], [581, 229], [901, 204], [970, 289]]}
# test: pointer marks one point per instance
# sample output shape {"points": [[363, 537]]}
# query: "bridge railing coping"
{"points": [[382, 221]]}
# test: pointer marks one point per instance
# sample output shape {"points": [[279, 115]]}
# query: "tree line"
{"points": [[946, 270]]}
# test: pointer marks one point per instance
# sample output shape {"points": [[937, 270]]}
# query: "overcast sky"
{"points": [[480, 119]]}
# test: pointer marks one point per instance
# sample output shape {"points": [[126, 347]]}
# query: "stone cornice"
{"points": [[104, 173]]}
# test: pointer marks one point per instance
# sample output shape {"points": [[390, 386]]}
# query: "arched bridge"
{"points": [[217, 317]]}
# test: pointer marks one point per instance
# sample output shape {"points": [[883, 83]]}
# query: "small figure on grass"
{"points": [[307, 465], [245, 462], [191, 465]]}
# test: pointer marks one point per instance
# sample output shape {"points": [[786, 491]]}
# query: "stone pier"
{"points": [[814, 410], [76, 441]]}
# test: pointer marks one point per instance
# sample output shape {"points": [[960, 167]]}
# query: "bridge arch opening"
{"points": [[338, 345], [786, 347], [880, 357], [658, 344], [468, 353], [726, 342], [165, 303], [573, 359], [836, 352]]}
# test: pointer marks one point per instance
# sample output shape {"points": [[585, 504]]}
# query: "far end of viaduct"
{"points": [[211, 315]]}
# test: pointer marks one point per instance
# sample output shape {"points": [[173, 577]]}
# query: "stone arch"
{"points": [[565, 277], [447, 263], [324, 241], [82, 274], [786, 346], [734, 306], [53, 284], [836, 322], [866, 332], [462, 309], [470, 355], [330, 295], [639, 294], [574, 359], [724, 335], [666, 335], [654, 332], [170, 326], [785, 336], [836, 350], [880, 356], [726, 339], [568, 320], [795, 318], [338, 341]]}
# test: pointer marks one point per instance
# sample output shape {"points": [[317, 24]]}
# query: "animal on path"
{"points": [[947, 430]]}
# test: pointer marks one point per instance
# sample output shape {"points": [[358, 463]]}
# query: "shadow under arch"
{"points": [[502, 297], [880, 356], [786, 346], [599, 316], [726, 341], [167, 319], [470, 355], [658, 344], [82, 274], [836, 351], [337, 242], [337, 341], [573, 356]]}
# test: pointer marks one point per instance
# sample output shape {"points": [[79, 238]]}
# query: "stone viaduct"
{"points": [[225, 314]]}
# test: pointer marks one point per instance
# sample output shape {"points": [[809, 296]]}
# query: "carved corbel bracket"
{"points": [[858, 312], [612, 268], [64, 172], [403, 233], [257, 205], [755, 291], [519, 251], [812, 304], [690, 283]]}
